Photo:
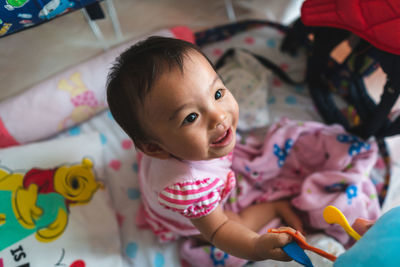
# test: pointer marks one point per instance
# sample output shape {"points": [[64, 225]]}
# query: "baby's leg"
{"points": [[256, 216]]}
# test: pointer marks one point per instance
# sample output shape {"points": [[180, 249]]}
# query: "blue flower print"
{"points": [[351, 192], [282, 153], [355, 143], [218, 256]]}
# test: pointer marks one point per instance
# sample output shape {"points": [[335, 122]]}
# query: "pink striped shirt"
{"points": [[175, 191]]}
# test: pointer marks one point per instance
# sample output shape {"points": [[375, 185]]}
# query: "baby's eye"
{"points": [[218, 94], [190, 118]]}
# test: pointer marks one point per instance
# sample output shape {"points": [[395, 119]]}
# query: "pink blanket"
{"points": [[313, 164]]}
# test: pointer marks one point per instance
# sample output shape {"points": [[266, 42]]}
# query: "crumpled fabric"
{"points": [[314, 165]]}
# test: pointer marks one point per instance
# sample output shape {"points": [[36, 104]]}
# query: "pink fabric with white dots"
{"points": [[313, 164]]}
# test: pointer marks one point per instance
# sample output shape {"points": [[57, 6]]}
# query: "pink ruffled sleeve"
{"points": [[192, 199]]}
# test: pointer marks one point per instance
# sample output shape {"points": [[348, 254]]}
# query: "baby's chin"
{"points": [[212, 153], [222, 152], [210, 156]]}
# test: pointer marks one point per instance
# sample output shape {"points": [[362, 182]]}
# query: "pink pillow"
{"points": [[65, 99]]}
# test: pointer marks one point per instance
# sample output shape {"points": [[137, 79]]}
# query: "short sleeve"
{"points": [[192, 199]]}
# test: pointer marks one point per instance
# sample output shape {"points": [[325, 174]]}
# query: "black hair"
{"points": [[135, 72]]}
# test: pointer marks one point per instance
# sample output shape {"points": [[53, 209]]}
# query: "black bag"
{"points": [[325, 75]]}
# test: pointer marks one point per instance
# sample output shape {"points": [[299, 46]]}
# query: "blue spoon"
{"points": [[297, 253]]}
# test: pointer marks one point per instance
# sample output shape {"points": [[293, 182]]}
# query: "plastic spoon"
{"points": [[297, 253], [334, 215], [304, 245]]}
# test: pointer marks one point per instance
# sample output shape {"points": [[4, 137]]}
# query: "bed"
{"points": [[72, 129]]}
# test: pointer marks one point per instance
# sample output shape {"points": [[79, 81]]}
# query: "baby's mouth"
{"points": [[224, 139]]}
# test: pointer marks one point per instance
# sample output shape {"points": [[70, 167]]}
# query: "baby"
{"points": [[166, 95]]}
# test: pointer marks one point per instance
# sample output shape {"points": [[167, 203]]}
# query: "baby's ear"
{"points": [[153, 150]]}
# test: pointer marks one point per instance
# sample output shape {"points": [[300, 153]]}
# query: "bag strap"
{"points": [[262, 60], [226, 31], [376, 122]]}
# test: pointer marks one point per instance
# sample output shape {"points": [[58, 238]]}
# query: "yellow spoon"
{"points": [[334, 215]]}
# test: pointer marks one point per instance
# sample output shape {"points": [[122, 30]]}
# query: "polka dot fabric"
{"points": [[283, 99]]}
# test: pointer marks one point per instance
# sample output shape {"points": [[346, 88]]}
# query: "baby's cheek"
{"points": [[235, 112], [197, 144]]}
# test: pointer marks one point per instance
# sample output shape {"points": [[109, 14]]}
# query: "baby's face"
{"points": [[191, 115]]}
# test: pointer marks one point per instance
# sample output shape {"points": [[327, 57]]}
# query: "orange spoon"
{"points": [[304, 245]]}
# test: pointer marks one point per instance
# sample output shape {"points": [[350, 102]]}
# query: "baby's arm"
{"points": [[237, 234]]}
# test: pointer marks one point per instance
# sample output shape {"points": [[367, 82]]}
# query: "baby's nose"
{"points": [[218, 118]]}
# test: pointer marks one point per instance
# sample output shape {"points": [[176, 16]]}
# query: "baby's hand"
{"points": [[362, 225], [269, 246]]}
